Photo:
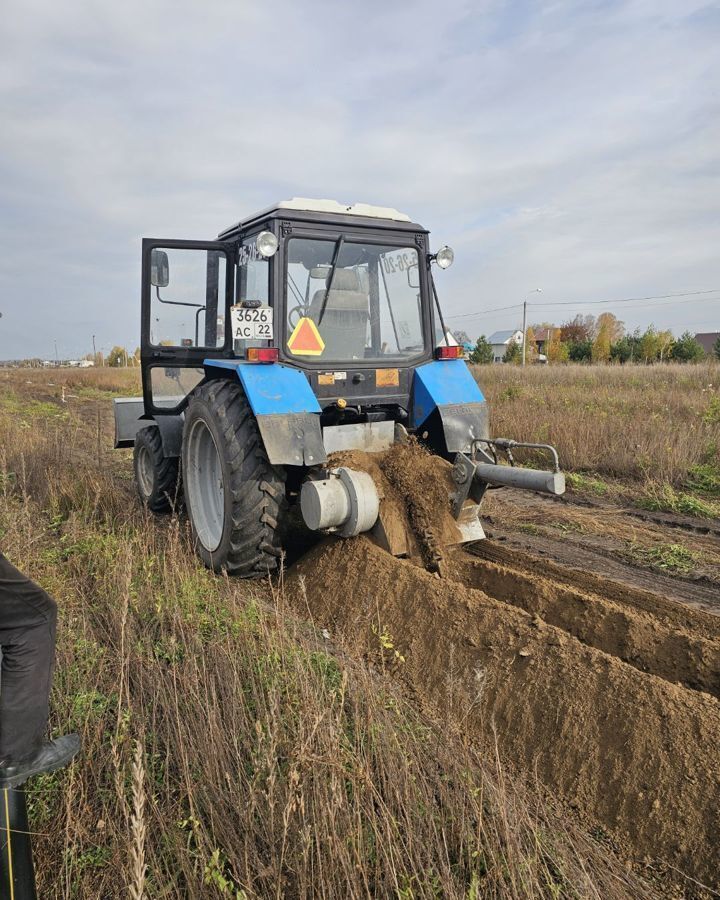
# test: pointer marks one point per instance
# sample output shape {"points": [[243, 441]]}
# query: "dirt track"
{"points": [[606, 692], [604, 538]]}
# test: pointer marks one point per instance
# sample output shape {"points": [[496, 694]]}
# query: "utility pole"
{"points": [[57, 361], [94, 352], [536, 291]]}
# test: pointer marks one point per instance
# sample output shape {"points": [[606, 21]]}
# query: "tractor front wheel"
{"points": [[156, 476], [234, 496]]}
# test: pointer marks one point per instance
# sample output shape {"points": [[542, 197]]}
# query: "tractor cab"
{"points": [[343, 293]]}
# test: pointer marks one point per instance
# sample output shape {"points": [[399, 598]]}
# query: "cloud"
{"points": [[568, 145]]}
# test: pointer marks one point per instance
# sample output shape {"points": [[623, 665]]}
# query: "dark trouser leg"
{"points": [[28, 617]]}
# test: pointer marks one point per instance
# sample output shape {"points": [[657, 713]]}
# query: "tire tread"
{"points": [[257, 488], [165, 494]]}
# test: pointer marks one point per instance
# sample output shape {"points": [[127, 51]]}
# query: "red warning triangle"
{"points": [[305, 339]]}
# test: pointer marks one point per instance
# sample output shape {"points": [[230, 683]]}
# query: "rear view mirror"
{"points": [[413, 275], [159, 268]]}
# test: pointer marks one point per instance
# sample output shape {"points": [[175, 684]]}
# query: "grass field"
{"points": [[229, 749], [648, 433]]}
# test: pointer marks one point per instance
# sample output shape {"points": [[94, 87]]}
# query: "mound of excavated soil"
{"points": [[579, 690], [637, 627], [415, 489]]}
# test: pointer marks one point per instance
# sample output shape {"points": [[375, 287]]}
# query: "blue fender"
{"points": [[285, 407], [446, 389]]}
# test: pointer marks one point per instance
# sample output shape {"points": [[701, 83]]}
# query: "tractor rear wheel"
{"points": [[156, 476], [234, 496]]}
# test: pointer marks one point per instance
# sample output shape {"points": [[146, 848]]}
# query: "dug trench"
{"points": [[606, 694]]}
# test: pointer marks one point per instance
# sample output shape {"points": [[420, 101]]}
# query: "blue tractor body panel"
{"points": [[442, 383], [271, 388], [285, 407], [446, 401], [445, 390]]}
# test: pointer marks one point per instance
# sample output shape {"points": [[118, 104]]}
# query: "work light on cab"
{"points": [[266, 244], [445, 257]]}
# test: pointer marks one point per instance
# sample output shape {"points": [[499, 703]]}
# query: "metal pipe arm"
{"points": [[514, 476]]}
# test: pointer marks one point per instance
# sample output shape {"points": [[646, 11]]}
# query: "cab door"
{"points": [[187, 290]]}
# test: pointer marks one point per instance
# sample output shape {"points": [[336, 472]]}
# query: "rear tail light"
{"points": [[262, 354], [454, 352]]}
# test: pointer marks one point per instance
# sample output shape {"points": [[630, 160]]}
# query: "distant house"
{"points": [[542, 337], [500, 341], [707, 341]]}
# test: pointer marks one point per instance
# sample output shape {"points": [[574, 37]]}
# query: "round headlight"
{"points": [[444, 258], [267, 244]]}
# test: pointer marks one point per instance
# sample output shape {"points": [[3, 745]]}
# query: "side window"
{"points": [[253, 279], [187, 307], [252, 324], [169, 385], [401, 308]]}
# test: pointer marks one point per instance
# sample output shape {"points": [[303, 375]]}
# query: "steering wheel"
{"points": [[300, 311]]}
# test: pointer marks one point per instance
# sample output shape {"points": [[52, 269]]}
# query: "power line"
{"points": [[625, 299], [486, 312]]}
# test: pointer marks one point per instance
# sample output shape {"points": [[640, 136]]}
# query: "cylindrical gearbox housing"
{"points": [[346, 502], [324, 503]]}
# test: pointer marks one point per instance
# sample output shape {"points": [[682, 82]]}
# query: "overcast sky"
{"points": [[564, 145]]}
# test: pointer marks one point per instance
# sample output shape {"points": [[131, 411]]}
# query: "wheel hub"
{"points": [[145, 472], [204, 481]]}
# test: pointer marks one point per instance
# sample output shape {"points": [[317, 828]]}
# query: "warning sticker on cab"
{"points": [[331, 377], [305, 339], [387, 377]]}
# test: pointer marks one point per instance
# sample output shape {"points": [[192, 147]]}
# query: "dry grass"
{"points": [[119, 381], [653, 424], [228, 751]]}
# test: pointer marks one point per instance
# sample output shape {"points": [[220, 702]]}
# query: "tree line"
{"points": [[601, 339]]}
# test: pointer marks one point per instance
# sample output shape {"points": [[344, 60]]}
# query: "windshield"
{"points": [[372, 309]]}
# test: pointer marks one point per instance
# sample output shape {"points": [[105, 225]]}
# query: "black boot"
{"points": [[47, 758]]}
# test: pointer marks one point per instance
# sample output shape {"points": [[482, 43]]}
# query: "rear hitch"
{"points": [[474, 473]]}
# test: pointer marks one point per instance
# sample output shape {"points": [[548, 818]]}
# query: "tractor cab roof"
{"points": [[329, 212]]}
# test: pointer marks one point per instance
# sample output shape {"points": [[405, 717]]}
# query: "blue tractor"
{"points": [[304, 330]]}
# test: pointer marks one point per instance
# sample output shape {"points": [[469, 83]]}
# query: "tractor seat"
{"points": [[344, 324]]}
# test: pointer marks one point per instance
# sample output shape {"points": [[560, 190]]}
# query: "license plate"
{"points": [[252, 324]]}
